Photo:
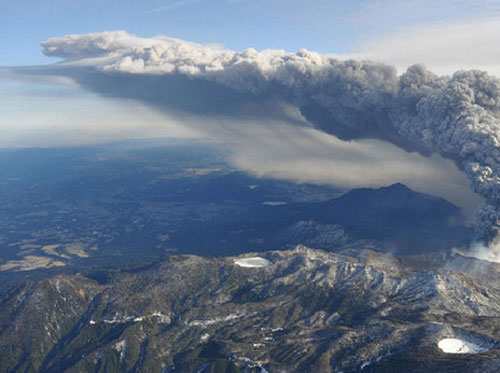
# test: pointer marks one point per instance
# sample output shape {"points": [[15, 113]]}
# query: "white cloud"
{"points": [[443, 47]]}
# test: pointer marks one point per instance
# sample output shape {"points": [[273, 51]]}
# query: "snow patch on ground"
{"points": [[205, 337], [121, 348], [118, 319], [254, 262], [459, 346], [208, 322]]}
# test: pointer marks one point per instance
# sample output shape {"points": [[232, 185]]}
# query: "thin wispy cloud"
{"points": [[174, 5], [387, 15], [442, 47]]}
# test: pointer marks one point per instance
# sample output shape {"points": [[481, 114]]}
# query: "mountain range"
{"points": [[301, 310]]}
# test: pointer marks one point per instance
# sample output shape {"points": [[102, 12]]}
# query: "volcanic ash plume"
{"points": [[456, 116]]}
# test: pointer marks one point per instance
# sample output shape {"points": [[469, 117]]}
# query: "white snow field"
{"points": [[253, 262]]}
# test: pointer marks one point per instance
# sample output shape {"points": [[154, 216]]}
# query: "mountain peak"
{"points": [[398, 186]]}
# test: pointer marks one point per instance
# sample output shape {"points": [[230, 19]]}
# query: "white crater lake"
{"points": [[459, 346], [253, 262]]}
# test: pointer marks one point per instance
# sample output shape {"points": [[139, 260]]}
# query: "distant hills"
{"points": [[396, 218]]}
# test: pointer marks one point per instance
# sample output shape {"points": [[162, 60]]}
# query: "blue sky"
{"points": [[326, 26]]}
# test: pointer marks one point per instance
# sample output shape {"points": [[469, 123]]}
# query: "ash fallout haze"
{"points": [[355, 144]]}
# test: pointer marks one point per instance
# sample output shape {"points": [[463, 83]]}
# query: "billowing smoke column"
{"points": [[457, 116]]}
